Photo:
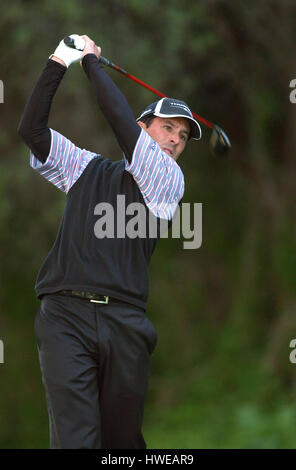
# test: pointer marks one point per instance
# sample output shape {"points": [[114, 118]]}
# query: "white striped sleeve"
{"points": [[64, 164], [157, 175]]}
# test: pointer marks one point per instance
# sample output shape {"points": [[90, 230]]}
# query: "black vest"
{"points": [[79, 259]]}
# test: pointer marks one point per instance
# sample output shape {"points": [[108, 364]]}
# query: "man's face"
{"points": [[171, 134]]}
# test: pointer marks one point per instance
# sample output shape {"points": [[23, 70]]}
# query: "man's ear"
{"points": [[142, 124]]}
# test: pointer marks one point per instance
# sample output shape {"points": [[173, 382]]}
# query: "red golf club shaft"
{"points": [[145, 85]]}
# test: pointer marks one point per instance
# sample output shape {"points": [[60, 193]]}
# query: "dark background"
{"points": [[225, 313]]}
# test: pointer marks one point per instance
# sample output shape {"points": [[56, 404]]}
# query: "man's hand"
{"points": [[67, 55], [90, 47]]}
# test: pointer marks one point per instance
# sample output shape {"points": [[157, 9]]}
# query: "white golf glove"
{"points": [[70, 54]]}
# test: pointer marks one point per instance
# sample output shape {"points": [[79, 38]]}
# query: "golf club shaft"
{"points": [[145, 85]]}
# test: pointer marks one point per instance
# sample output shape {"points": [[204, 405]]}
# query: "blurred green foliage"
{"points": [[225, 313]]}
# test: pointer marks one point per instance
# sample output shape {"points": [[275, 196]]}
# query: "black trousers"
{"points": [[95, 365]]}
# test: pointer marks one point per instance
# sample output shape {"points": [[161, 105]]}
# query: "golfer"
{"points": [[93, 335]]}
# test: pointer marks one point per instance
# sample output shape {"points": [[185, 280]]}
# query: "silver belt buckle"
{"points": [[101, 301]]}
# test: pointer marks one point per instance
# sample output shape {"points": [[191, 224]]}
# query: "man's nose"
{"points": [[174, 138]]}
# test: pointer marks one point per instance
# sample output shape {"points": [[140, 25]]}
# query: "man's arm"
{"points": [[33, 126], [111, 100], [55, 157]]}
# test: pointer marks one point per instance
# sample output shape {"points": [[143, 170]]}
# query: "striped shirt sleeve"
{"points": [[157, 175], [65, 162]]}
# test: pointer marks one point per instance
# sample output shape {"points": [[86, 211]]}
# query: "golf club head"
{"points": [[219, 142]]}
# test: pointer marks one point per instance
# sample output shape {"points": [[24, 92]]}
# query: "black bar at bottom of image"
{"points": [[149, 457]]}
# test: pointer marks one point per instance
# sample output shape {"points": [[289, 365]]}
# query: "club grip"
{"points": [[105, 61]]}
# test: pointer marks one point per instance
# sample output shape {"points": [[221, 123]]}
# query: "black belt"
{"points": [[91, 296]]}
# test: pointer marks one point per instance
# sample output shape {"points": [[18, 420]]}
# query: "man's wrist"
{"points": [[57, 59], [89, 59], [90, 54]]}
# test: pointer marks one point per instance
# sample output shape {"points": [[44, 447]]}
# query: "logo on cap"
{"points": [[180, 105]]}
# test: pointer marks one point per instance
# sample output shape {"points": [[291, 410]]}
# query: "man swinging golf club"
{"points": [[93, 335]]}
